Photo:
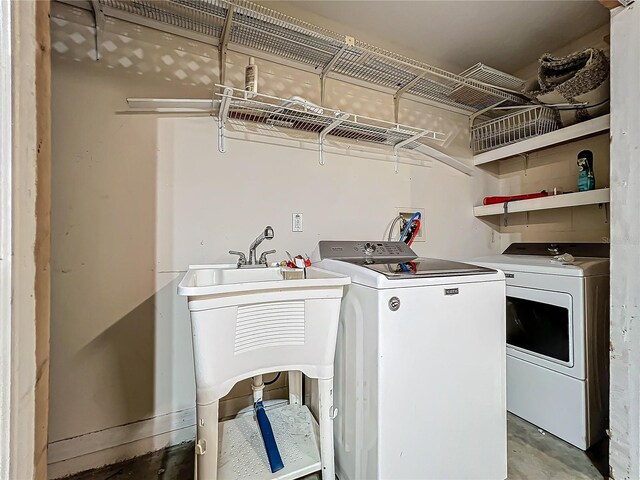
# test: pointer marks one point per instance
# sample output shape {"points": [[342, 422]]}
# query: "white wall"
{"points": [[137, 198], [625, 243], [24, 364], [556, 167]]}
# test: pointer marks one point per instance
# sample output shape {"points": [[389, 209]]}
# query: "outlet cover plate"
{"points": [[296, 222]]}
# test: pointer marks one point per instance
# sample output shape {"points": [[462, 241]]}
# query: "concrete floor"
{"points": [[532, 454]]}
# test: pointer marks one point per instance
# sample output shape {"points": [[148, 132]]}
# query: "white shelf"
{"points": [[241, 449], [258, 28], [577, 199], [272, 114], [574, 132]]}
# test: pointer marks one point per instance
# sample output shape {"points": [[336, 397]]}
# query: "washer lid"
{"points": [[403, 268], [580, 267], [372, 277], [594, 250]]}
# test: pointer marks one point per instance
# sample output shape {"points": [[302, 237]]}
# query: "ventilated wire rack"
{"points": [[202, 17], [299, 114], [486, 74], [272, 114], [512, 128], [266, 30]]}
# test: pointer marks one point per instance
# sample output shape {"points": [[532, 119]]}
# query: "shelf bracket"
{"points": [[505, 213], [99, 20], [444, 158], [223, 114], [605, 206], [325, 131], [348, 41], [408, 86], [525, 157], [401, 144], [224, 42]]}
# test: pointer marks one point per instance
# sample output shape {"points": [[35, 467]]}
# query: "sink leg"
{"points": [[326, 413], [295, 387], [207, 442]]}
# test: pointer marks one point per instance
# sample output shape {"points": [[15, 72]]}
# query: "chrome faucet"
{"points": [[266, 235], [242, 259]]}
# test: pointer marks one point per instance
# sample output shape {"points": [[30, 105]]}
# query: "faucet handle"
{"points": [[242, 260], [263, 257]]}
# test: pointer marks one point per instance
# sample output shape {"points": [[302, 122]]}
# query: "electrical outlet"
{"points": [[407, 213], [296, 222]]}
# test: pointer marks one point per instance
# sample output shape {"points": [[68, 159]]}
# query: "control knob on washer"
{"points": [[369, 248]]}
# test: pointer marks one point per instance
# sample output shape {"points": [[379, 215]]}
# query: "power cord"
{"points": [[274, 380]]}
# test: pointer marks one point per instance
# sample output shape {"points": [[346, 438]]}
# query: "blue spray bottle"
{"points": [[586, 177]]}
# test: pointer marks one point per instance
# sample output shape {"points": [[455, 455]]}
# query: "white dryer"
{"points": [[558, 337], [420, 365]]}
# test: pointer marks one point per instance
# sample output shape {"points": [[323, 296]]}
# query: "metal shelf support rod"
{"points": [[325, 131], [403, 90], [444, 158], [224, 42], [99, 19], [401, 144], [326, 69], [223, 113]]}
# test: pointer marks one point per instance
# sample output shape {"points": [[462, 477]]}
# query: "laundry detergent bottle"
{"points": [[586, 177]]}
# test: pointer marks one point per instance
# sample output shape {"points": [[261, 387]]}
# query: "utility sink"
{"points": [[228, 278], [223, 276], [251, 321]]}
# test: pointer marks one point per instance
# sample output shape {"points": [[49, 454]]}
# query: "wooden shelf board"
{"points": [[573, 132], [577, 199]]}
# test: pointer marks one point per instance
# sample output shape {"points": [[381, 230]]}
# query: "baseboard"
{"points": [[112, 445]]}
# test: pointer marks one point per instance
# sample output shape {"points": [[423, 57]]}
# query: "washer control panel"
{"points": [[348, 250]]}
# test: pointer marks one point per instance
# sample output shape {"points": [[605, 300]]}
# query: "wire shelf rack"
{"points": [[266, 30], [235, 106], [486, 74], [240, 106], [298, 114], [202, 17], [514, 127]]}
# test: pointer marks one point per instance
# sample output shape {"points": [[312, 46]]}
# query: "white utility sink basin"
{"points": [[228, 278], [251, 321], [222, 276]]}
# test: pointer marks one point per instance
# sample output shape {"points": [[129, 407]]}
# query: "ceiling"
{"points": [[507, 35]]}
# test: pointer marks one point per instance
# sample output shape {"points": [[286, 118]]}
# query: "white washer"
{"points": [[558, 337], [420, 365]]}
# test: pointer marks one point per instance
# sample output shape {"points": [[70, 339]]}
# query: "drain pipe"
{"points": [[257, 385], [270, 445]]}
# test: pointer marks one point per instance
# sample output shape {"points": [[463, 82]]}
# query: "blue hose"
{"points": [[270, 445], [417, 215]]}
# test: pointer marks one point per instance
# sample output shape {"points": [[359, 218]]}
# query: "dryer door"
{"points": [[540, 327]]}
